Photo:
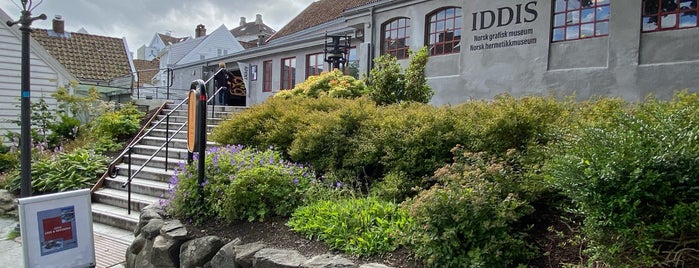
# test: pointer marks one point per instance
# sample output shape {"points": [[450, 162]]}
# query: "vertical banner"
{"points": [[245, 72], [57, 230]]}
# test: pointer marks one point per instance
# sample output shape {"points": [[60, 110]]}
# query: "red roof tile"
{"points": [[88, 57], [317, 13], [146, 70], [169, 40]]}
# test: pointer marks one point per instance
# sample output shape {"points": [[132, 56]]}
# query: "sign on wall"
{"points": [[57, 230], [502, 27]]}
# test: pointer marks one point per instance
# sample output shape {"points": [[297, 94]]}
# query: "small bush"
{"points": [[64, 171], [334, 84], [389, 85], [360, 227], [469, 218], [118, 124], [241, 184], [634, 179]]}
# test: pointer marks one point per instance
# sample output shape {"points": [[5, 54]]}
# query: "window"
{"points": [[395, 38], [444, 31], [288, 73], [660, 15], [267, 76], [314, 64], [578, 19], [352, 66], [221, 52]]}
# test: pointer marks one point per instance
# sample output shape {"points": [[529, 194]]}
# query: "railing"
{"points": [[156, 89], [168, 138]]}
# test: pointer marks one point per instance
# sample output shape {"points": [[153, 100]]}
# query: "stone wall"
{"points": [[167, 243]]}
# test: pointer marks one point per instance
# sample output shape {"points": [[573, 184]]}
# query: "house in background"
{"points": [[252, 34], [202, 48], [99, 62], [157, 44], [145, 71], [46, 74]]}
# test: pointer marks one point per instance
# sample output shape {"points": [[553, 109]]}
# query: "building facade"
{"points": [[479, 49]]}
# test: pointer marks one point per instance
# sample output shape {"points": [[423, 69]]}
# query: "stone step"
{"points": [[119, 198], [147, 173], [174, 143], [115, 216], [155, 189], [171, 152], [184, 118], [173, 127], [138, 160]]}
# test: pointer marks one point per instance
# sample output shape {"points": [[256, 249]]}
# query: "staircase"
{"points": [[150, 185]]}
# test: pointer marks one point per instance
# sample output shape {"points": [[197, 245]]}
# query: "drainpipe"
{"points": [[370, 54]]}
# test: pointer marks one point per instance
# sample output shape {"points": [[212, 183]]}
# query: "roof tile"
{"points": [[317, 13]]}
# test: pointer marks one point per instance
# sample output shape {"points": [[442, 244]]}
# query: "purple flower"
{"points": [[338, 185], [296, 181]]}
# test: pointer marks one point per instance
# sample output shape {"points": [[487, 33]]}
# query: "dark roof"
{"points": [[88, 57], [247, 45], [317, 13], [169, 40], [251, 28], [146, 69]]}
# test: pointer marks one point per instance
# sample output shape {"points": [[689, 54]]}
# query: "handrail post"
{"points": [[128, 180], [167, 138]]}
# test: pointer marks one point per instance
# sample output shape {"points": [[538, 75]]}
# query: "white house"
{"points": [[157, 44], [203, 47], [46, 74]]}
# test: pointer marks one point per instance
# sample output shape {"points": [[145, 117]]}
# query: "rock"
{"points": [[374, 265], [174, 229], [142, 259], [146, 216], [166, 252], [7, 201], [157, 209], [197, 252], [225, 258], [277, 258], [152, 229], [245, 253], [328, 261], [137, 245]]}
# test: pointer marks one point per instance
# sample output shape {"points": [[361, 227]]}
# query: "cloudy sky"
{"points": [[139, 20]]}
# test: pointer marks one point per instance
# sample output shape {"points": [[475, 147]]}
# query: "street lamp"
{"points": [[336, 50], [25, 140]]}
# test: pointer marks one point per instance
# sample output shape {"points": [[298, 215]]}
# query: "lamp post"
{"points": [[25, 139]]}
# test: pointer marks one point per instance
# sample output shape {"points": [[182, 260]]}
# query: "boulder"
{"points": [[166, 252], [146, 216], [328, 261], [174, 229], [7, 202], [142, 259], [197, 252], [225, 258], [244, 254], [152, 229], [277, 258]]}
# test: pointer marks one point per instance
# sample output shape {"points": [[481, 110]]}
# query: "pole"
{"points": [[25, 105], [202, 139]]}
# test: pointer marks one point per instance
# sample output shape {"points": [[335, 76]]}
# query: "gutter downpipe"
{"points": [[370, 54]]}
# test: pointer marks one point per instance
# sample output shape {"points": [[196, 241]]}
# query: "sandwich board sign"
{"points": [[56, 230]]}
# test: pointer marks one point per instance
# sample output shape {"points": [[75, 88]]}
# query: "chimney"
{"points": [[242, 21], [200, 31], [258, 19], [58, 24]]}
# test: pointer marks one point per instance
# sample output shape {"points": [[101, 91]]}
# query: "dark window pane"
{"points": [[602, 28]]}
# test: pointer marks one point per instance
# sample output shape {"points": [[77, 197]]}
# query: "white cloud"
{"points": [[139, 20]]}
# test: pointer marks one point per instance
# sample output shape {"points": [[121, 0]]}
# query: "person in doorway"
{"points": [[221, 81]]}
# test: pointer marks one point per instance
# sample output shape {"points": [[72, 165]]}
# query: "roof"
{"points": [[169, 40], [180, 50], [86, 56], [252, 28], [146, 70], [318, 13]]}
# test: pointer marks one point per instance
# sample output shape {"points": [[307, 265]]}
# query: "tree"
{"points": [[388, 85]]}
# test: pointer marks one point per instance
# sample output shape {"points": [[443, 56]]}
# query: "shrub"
{"points": [[388, 85], [634, 180], [64, 171], [357, 226], [118, 124], [469, 218], [241, 183], [333, 84]]}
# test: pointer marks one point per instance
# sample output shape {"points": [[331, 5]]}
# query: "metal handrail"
{"points": [[165, 145]]}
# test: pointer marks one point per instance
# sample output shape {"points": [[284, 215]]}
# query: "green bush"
{"points": [[360, 227], [333, 84], [118, 124], [241, 184], [388, 85], [469, 219], [8, 161], [65, 171], [634, 179]]}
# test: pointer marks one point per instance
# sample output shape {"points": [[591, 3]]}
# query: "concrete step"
{"points": [[138, 160], [119, 198], [115, 216], [184, 119], [147, 173], [174, 143], [171, 152], [173, 127], [155, 189]]}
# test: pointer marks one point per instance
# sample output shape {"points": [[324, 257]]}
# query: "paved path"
{"points": [[110, 245]]}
